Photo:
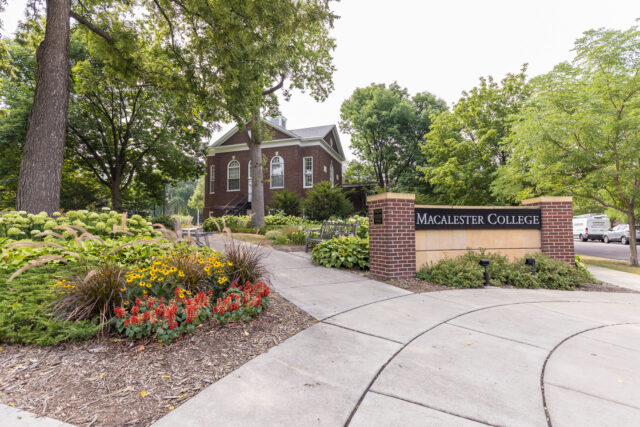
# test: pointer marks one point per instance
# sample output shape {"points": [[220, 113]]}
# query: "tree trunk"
{"points": [[41, 166], [633, 249], [116, 197], [257, 187]]}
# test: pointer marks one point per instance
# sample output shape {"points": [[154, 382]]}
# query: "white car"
{"points": [[620, 233]]}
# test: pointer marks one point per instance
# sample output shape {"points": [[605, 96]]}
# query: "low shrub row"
{"points": [[342, 252], [465, 272]]}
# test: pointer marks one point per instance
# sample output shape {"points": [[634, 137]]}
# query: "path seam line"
{"points": [[498, 336], [360, 332]]}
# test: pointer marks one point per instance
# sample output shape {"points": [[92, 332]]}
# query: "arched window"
{"points": [[233, 176], [277, 172], [331, 177]]}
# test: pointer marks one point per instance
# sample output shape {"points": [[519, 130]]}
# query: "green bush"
{"points": [[18, 224], [165, 220], [465, 272], [286, 201], [323, 202], [281, 239], [25, 308], [349, 252], [234, 223]]}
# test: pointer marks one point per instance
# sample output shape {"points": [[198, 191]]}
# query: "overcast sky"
{"points": [[441, 46]]}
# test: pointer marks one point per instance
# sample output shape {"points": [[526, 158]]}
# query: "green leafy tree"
{"points": [[580, 132], [386, 127], [466, 147], [236, 55], [323, 202], [120, 130], [286, 201], [196, 201]]}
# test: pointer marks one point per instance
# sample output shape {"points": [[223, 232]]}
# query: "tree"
{"points": [[579, 133], [358, 172], [125, 130], [386, 127], [235, 55], [465, 147], [196, 201], [324, 201]]}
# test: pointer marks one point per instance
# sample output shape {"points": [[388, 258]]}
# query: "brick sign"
{"points": [[469, 219]]}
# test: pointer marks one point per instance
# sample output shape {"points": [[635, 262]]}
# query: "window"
{"points": [[331, 174], [307, 166], [233, 176], [212, 179], [277, 172]]}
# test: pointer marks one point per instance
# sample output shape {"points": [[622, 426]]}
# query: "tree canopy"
{"points": [[386, 127], [466, 146], [580, 131]]}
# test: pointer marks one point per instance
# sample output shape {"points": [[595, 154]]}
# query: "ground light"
{"points": [[485, 263], [532, 263]]}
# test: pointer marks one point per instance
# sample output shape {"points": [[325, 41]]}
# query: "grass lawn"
{"points": [[610, 263], [250, 238]]}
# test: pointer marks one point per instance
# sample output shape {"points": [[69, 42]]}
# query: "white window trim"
{"points": [[212, 179], [271, 172], [304, 172], [331, 175], [239, 175]]}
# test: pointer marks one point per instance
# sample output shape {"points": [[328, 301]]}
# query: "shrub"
{"points": [[246, 262], [165, 220], [25, 308], [281, 239], [234, 223], [282, 219], [272, 235], [286, 201], [349, 252], [91, 297], [323, 202], [242, 302], [465, 272]]}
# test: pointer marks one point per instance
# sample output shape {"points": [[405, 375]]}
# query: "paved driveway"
{"points": [[380, 355], [613, 250]]}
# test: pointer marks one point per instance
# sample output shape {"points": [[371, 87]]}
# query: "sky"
{"points": [[443, 47]]}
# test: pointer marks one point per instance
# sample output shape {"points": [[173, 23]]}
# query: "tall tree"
{"points": [[124, 130], [465, 147], [266, 46], [386, 127], [580, 132]]}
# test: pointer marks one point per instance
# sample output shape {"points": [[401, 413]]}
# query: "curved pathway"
{"points": [[380, 355]]}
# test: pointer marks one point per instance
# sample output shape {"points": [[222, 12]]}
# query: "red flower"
{"points": [[145, 316], [135, 310], [126, 323], [138, 302], [119, 312], [134, 320]]}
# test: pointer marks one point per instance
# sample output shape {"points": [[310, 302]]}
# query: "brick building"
{"points": [[296, 159]]}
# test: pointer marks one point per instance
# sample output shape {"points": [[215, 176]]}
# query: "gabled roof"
{"points": [[313, 132], [303, 134]]}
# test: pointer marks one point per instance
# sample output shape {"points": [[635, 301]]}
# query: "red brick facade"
{"points": [[291, 150], [557, 226], [392, 244]]}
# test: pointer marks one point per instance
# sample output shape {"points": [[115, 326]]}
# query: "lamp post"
{"points": [[532, 263], [485, 263], [164, 196]]}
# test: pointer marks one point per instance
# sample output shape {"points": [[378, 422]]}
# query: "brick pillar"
{"points": [[557, 226], [392, 244]]}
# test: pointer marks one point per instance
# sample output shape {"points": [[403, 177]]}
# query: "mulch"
{"points": [[116, 381]]}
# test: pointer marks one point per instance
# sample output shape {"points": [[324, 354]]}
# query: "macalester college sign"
{"points": [[448, 218]]}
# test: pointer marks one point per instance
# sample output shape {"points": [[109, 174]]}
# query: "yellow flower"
{"points": [[188, 292], [123, 289], [148, 285], [126, 303], [144, 292], [181, 273], [230, 263]]}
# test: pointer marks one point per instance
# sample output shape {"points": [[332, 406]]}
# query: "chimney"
{"points": [[280, 121]]}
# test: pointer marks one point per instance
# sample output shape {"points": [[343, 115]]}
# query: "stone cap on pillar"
{"points": [[391, 196], [547, 199]]}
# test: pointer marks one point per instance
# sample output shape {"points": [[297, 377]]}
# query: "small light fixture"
{"points": [[532, 263], [485, 263]]}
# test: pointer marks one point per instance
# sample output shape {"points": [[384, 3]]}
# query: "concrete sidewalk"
{"points": [[615, 277], [380, 355]]}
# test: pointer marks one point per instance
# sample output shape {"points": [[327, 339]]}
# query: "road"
{"points": [[613, 250]]}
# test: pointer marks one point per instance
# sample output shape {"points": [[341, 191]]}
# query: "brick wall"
{"points": [[392, 244], [557, 226]]}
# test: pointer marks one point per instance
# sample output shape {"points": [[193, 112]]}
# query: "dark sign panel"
{"points": [[469, 219], [377, 216]]}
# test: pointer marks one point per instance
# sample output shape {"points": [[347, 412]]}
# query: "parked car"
{"points": [[620, 233], [590, 226]]}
